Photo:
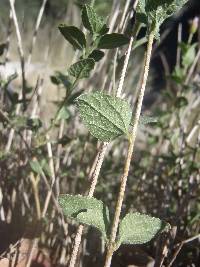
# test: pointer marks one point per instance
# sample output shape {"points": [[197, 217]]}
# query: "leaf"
{"points": [[55, 80], [189, 55], [105, 116], [35, 166], [60, 78], [92, 21], [72, 98], [73, 35], [97, 55], [147, 120], [136, 228], [82, 68], [86, 210], [63, 114], [112, 40], [155, 12]]}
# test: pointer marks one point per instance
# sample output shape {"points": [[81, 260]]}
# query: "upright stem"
{"points": [[101, 153], [111, 246]]}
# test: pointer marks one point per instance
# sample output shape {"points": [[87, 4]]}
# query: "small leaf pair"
{"points": [[134, 228], [97, 27]]}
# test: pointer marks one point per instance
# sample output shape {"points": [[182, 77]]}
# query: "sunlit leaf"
{"points": [[86, 210], [136, 228], [105, 116], [82, 68]]}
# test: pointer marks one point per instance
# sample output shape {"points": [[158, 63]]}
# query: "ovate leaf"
{"points": [[105, 116], [112, 40], [86, 210], [136, 228], [36, 167], [60, 78], [82, 68], [92, 21], [73, 35], [97, 55], [63, 114]]}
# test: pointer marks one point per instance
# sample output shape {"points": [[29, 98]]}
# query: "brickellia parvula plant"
{"points": [[108, 117]]}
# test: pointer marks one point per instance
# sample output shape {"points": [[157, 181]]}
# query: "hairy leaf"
{"points": [[136, 228], [86, 210], [97, 55], [112, 40], [35, 166], [154, 12], [82, 68], [105, 116], [92, 21], [73, 35], [147, 119]]}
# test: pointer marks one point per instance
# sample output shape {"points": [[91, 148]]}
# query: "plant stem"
{"points": [[111, 246], [101, 154]]}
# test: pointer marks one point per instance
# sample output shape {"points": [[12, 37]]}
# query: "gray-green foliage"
{"points": [[113, 40], [82, 68], [92, 21], [105, 116], [137, 228], [73, 35], [86, 210], [153, 12]]}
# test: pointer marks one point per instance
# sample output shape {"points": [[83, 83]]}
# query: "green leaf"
{"points": [[72, 98], [35, 166], [60, 78], [82, 68], [92, 21], [73, 35], [136, 228], [63, 114], [155, 12], [147, 120], [112, 40], [97, 55], [189, 55], [86, 210], [105, 116]]}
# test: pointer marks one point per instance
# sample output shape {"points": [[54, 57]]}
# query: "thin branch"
{"points": [[179, 247], [37, 25], [20, 49]]}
